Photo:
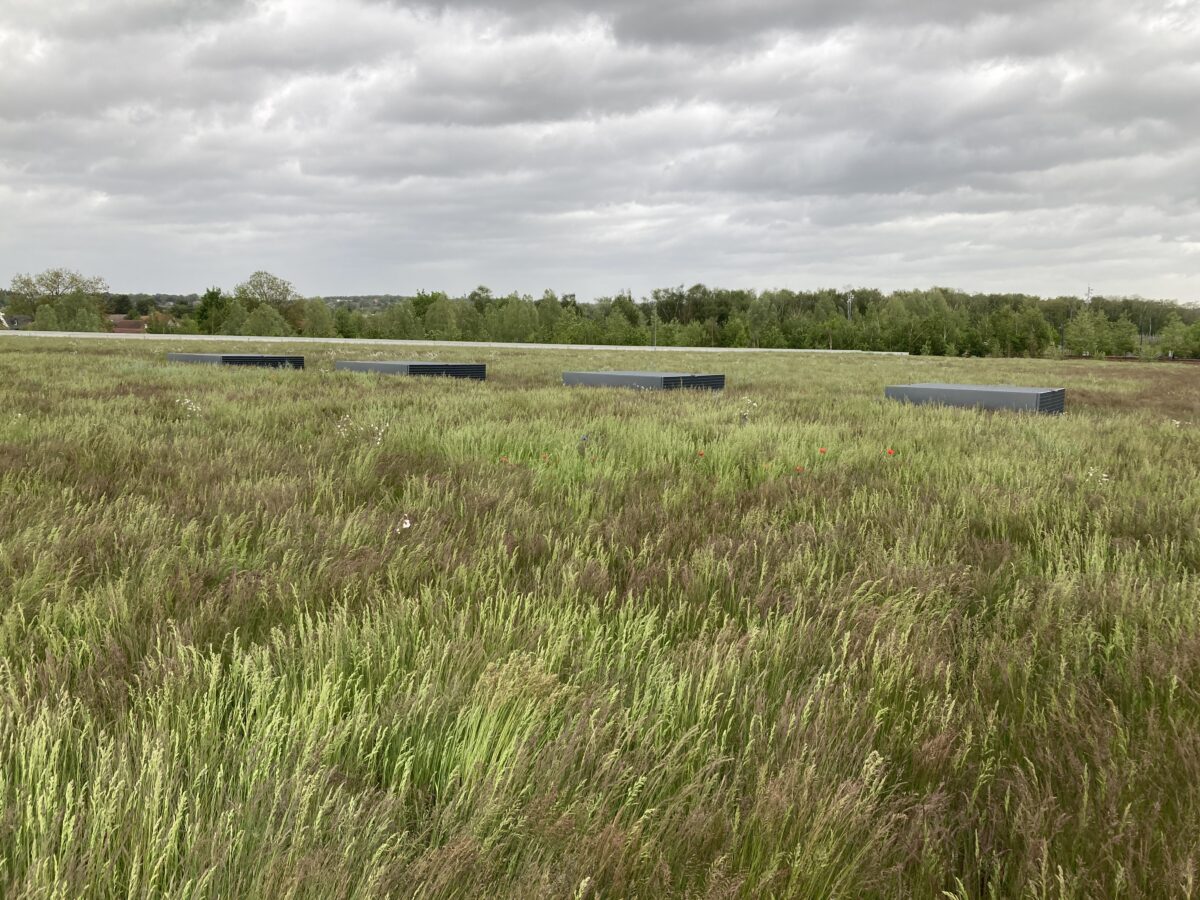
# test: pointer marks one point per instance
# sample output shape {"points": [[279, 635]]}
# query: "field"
{"points": [[316, 634]]}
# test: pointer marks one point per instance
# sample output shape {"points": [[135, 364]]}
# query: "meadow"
{"points": [[323, 635]]}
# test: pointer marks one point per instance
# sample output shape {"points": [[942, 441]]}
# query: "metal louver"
{"points": [[982, 396], [236, 359]]}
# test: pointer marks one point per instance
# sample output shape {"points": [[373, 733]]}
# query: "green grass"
{"points": [[621, 668]]}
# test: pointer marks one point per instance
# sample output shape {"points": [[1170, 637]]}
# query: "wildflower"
{"points": [[822, 451], [799, 468], [891, 452], [405, 522], [748, 406], [699, 452]]}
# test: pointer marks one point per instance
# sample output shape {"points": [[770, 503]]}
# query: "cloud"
{"points": [[379, 146]]}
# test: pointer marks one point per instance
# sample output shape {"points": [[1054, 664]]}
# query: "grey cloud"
{"points": [[376, 146], [720, 22], [91, 19]]}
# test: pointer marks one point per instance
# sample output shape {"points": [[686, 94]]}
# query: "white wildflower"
{"points": [[748, 406]]}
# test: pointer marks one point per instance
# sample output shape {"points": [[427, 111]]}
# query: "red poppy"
{"points": [[799, 468], [699, 452], [822, 451], [891, 452]]}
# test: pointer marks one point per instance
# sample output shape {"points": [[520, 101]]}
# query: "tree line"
{"points": [[934, 321]]}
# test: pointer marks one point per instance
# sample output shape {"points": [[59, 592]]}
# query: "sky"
{"points": [[377, 146]]}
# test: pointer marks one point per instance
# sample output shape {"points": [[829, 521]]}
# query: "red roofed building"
{"points": [[122, 325]]}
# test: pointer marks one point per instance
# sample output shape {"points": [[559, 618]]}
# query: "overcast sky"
{"points": [[372, 146]]}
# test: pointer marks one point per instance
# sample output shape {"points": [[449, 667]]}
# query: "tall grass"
{"points": [[594, 668]]}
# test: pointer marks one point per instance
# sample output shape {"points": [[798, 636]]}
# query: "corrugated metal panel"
{"points": [[649, 381], [473, 371], [270, 362], [982, 396], [235, 359]]}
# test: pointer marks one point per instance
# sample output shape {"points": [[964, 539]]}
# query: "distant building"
{"points": [[122, 325]]}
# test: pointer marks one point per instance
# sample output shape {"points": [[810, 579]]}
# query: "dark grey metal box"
{"points": [[983, 396], [649, 381], [474, 371], [239, 359]]}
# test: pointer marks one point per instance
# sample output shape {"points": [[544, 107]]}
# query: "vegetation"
{"points": [[936, 322], [59, 299], [317, 634]]}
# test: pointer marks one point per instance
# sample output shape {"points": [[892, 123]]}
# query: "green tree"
{"points": [[213, 308], [760, 317], [481, 298], [263, 287], [619, 331], [267, 321], [396, 323], [77, 300], [568, 327], [772, 337], [693, 334], [623, 304], [1087, 334], [46, 319], [1123, 336], [1173, 339], [441, 321], [1033, 334], [78, 313], [736, 332], [235, 319], [318, 320], [516, 320], [349, 323], [550, 312], [423, 301], [470, 323]]}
